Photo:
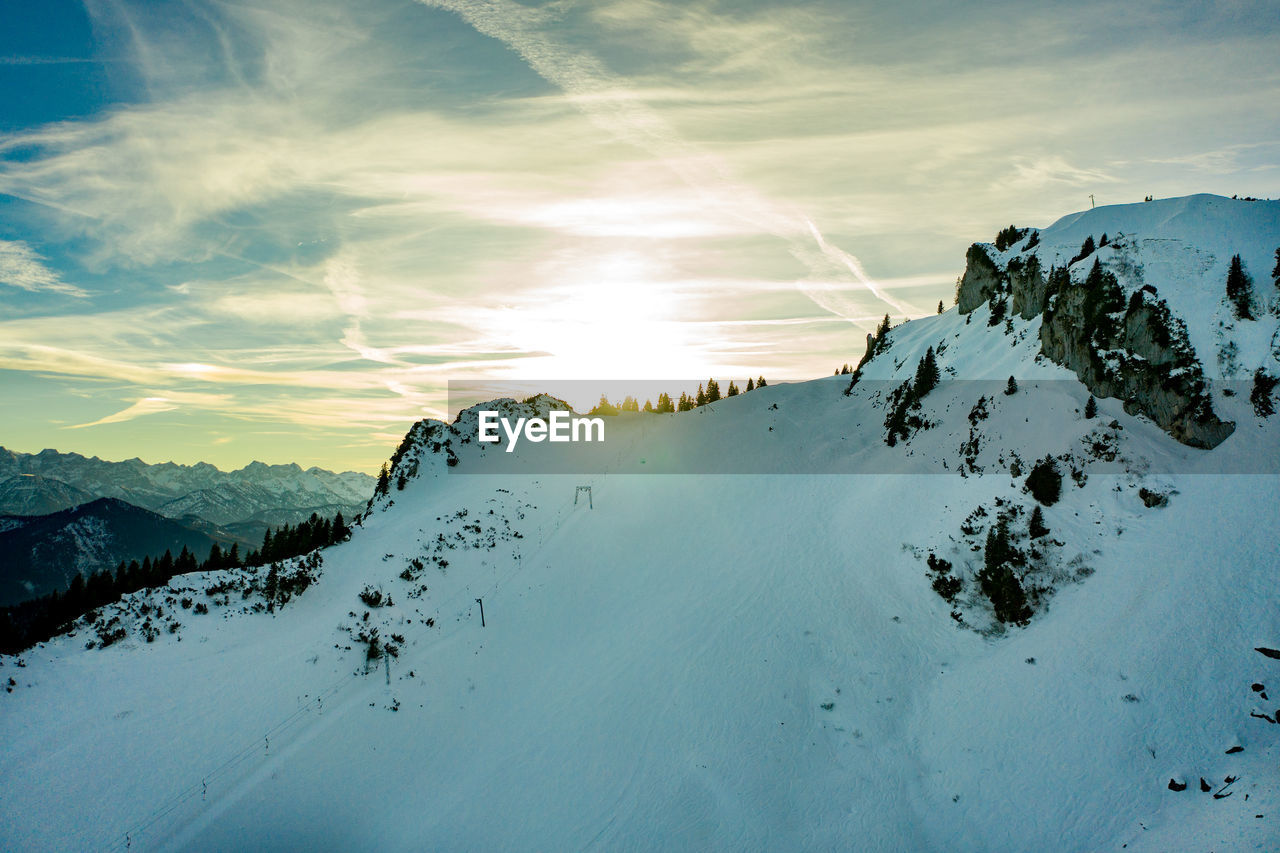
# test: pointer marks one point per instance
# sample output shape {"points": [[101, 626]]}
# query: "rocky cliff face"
{"points": [[1133, 350], [982, 279], [1029, 285]]}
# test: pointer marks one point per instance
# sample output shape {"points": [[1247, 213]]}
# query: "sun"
{"points": [[617, 316]]}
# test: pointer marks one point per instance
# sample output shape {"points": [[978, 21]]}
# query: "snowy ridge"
{"points": [[252, 493], [1182, 247], [754, 661]]}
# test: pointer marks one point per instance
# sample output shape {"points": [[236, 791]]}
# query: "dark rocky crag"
{"points": [[1133, 350]]}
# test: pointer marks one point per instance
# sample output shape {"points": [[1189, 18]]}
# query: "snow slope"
{"points": [[712, 660]]}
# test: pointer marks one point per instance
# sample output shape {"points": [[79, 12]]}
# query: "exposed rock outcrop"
{"points": [[1030, 287], [982, 279], [1136, 351]]}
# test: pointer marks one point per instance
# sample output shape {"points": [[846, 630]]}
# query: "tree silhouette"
{"points": [[1240, 289]]}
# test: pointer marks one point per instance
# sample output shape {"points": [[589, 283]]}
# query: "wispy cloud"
{"points": [[145, 406], [321, 210], [1053, 169], [602, 96], [22, 268]]}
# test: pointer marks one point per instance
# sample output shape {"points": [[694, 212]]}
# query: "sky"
{"points": [[276, 230]]}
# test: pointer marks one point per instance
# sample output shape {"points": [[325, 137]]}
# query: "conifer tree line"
{"points": [[708, 392], [23, 625]]}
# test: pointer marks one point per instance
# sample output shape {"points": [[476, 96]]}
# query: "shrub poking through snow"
{"points": [[944, 583]]}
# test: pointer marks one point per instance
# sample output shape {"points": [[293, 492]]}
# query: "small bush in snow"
{"points": [[373, 597]]}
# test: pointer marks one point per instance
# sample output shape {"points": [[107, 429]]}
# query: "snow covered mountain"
{"points": [[260, 493], [30, 494], [943, 610], [43, 553]]}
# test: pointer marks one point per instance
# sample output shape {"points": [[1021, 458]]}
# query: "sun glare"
{"points": [[613, 318]]}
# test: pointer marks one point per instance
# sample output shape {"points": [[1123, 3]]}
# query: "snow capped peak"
{"points": [[201, 489]]}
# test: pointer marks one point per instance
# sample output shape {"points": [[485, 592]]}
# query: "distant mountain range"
{"points": [[222, 497], [195, 505], [31, 494], [44, 552]]}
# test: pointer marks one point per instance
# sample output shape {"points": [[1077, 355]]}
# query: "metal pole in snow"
{"points": [[480, 601], [386, 659]]}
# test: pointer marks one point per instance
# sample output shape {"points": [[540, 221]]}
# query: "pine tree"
{"points": [[1264, 385], [604, 407], [384, 481], [267, 551], [1239, 289], [760, 383], [998, 581], [939, 306], [75, 593], [1091, 408], [701, 399], [648, 407], [1045, 481], [233, 556], [339, 532], [215, 559], [927, 374], [665, 406], [99, 589], [1086, 249], [896, 422], [751, 384], [1008, 236], [135, 577], [1275, 273], [713, 391], [881, 338], [1012, 387], [999, 308], [1037, 528], [733, 390], [271, 589]]}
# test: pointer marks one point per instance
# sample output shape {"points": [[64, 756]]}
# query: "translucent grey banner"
{"points": [[825, 426]]}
